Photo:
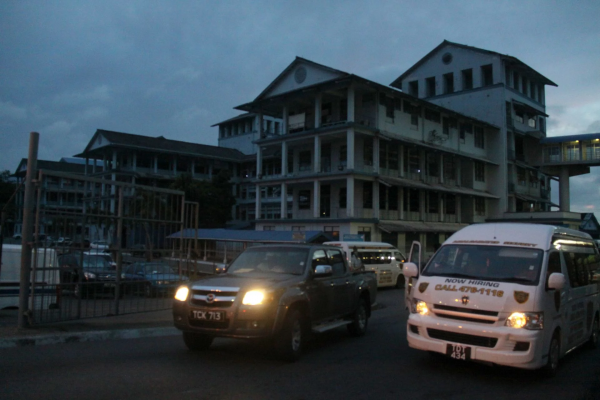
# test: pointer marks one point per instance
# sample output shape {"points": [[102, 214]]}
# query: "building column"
{"points": [[260, 123], [285, 122], [284, 160], [318, 100], [350, 149], [259, 161], [134, 161], [376, 144], [422, 164], [441, 207], [87, 161], [94, 166], [284, 201], [441, 168], [350, 104], [316, 199], [422, 205], [401, 161], [350, 196], [155, 164], [113, 188], [257, 203], [458, 171], [317, 155], [376, 199], [458, 205], [564, 200], [401, 201], [174, 166]]}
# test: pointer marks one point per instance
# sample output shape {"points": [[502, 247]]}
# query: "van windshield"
{"points": [[494, 263]]}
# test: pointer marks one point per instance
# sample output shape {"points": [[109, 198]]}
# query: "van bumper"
{"points": [[500, 345]]}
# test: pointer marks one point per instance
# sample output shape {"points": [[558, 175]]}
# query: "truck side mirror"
{"points": [[410, 270], [323, 270], [556, 281]]}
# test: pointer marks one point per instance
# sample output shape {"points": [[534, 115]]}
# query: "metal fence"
{"points": [[103, 248]]}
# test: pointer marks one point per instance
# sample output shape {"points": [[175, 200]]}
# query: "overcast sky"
{"points": [[174, 68]]}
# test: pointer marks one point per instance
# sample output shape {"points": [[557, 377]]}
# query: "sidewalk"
{"points": [[129, 326]]}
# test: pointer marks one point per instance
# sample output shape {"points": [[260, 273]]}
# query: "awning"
{"points": [[528, 109], [403, 182], [420, 226]]}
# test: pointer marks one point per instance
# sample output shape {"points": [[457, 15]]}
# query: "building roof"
{"points": [[60, 166], [570, 138], [236, 118], [228, 235], [510, 59], [420, 226], [159, 145]]}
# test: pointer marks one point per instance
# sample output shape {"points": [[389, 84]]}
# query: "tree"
{"points": [[215, 198]]}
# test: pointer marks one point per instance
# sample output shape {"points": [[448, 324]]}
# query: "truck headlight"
{"points": [[520, 320], [419, 307], [182, 293], [254, 297]]}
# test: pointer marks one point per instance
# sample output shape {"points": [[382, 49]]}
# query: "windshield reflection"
{"points": [[281, 260]]}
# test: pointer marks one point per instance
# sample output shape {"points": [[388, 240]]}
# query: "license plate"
{"points": [[205, 315], [458, 352]]}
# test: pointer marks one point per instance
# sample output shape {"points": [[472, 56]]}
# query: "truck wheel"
{"points": [[400, 282], [360, 319], [197, 341], [593, 341], [289, 342], [549, 370]]}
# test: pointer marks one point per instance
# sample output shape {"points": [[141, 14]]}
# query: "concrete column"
{"points": [[87, 161], [401, 205], [260, 123], [376, 199], [134, 161], [174, 165], [317, 155], [259, 161], [441, 168], [94, 166], [351, 103], [376, 155], [458, 203], [285, 118], [155, 164], [257, 203], [401, 161], [422, 204], [284, 159], [350, 196], [350, 149], [564, 199], [284, 201], [422, 164], [458, 164], [316, 199], [441, 207], [318, 101]]}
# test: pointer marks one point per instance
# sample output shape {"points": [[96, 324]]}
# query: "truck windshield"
{"points": [[280, 260], [494, 263]]}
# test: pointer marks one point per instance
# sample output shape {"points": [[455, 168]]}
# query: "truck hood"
{"points": [[247, 281], [475, 294]]}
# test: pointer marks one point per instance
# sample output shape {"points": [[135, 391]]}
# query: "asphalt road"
{"points": [[336, 366]]}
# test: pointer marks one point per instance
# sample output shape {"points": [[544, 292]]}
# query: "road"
{"points": [[336, 366]]}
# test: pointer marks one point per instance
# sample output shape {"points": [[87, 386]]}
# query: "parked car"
{"points": [[99, 245], [158, 278], [86, 275]]}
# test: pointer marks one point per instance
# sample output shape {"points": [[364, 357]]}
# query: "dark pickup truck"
{"points": [[281, 293]]}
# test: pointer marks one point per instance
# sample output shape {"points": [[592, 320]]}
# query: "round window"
{"points": [[300, 75], [447, 58]]}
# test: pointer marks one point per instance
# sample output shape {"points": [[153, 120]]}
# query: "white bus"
{"points": [[382, 258], [46, 277], [520, 295]]}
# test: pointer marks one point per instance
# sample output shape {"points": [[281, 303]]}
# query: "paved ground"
{"points": [[155, 323]]}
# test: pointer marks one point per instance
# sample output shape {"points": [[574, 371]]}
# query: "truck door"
{"points": [[414, 256], [342, 284], [319, 289]]}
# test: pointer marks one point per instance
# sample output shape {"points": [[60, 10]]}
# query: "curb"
{"points": [[92, 336]]}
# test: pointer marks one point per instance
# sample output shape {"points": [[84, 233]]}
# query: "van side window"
{"points": [[553, 265], [582, 264], [337, 262]]}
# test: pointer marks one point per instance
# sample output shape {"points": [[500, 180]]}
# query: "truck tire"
{"points": [[289, 343], [360, 319], [197, 341]]}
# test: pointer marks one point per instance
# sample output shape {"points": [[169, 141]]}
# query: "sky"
{"points": [[174, 68]]}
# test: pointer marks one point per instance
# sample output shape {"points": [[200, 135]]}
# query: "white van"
{"points": [[520, 295], [382, 258], [46, 277]]}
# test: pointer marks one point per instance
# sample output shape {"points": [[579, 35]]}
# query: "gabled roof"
{"points": [[507, 58], [60, 166], [160, 145], [236, 118], [294, 64]]}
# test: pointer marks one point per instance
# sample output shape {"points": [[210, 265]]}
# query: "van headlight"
{"points": [[254, 298], [182, 293], [419, 307], [528, 320]]}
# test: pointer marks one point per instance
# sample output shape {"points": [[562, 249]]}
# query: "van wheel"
{"points": [[290, 341], [549, 370], [400, 282], [197, 341], [360, 319], [593, 341]]}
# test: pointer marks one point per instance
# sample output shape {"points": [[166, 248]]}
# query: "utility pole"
{"points": [[27, 233]]}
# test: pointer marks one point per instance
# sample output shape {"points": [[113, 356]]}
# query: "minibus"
{"points": [[520, 295]]}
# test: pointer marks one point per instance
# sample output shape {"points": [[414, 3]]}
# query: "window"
{"points": [[487, 76], [411, 200], [368, 151], [464, 128], [450, 204], [430, 86], [479, 138], [368, 98], [433, 167], [467, 79], [531, 122], [269, 228], [446, 126], [342, 197], [582, 264], [382, 155], [572, 152], [413, 88], [479, 206], [479, 171], [448, 83], [393, 157], [516, 81], [304, 160], [343, 156], [383, 193], [389, 107], [304, 199], [367, 194], [432, 115], [521, 176], [393, 198], [519, 116], [333, 230], [298, 228], [434, 203], [449, 168], [366, 232]]}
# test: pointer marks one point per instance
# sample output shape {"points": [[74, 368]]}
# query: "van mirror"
{"points": [[556, 281], [410, 270]]}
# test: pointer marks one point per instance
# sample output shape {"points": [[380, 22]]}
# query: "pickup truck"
{"points": [[278, 293]]}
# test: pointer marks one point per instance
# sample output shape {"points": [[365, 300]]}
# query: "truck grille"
{"points": [[213, 297], [465, 314], [462, 338]]}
